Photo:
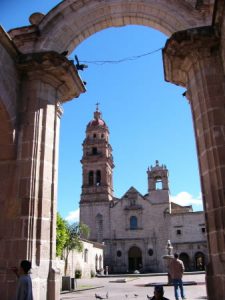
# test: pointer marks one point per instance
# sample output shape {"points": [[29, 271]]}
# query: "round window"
{"points": [[150, 252]]}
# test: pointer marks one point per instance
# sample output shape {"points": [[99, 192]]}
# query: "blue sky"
{"points": [[148, 118]]}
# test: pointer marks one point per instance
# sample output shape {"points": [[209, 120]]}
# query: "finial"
{"points": [[157, 163], [97, 113], [97, 104]]}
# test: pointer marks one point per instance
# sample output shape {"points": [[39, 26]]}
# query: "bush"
{"points": [[78, 274], [92, 273]]}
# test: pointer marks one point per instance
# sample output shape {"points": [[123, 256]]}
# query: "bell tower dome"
{"points": [[97, 162]]}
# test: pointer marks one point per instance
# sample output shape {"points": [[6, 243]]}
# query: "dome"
{"points": [[97, 121]]}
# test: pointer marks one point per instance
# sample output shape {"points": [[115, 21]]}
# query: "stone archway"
{"points": [[70, 22], [134, 259], [186, 260], [199, 261], [193, 57]]}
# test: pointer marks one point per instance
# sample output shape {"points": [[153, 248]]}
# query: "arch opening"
{"points": [[186, 260], [134, 258], [199, 261], [66, 25], [68, 40]]}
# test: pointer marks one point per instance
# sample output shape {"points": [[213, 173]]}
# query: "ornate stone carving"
{"points": [[186, 47], [55, 69]]}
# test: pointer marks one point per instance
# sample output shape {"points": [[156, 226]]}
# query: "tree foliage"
{"points": [[68, 238], [61, 235]]}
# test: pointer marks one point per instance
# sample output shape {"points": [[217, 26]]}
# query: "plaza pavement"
{"points": [[134, 288]]}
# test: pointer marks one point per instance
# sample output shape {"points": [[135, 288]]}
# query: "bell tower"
{"points": [[97, 162], [158, 183]]}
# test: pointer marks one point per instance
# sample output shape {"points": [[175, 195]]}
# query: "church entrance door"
{"points": [[135, 259]]}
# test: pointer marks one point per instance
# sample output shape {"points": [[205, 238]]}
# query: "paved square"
{"points": [[135, 288]]}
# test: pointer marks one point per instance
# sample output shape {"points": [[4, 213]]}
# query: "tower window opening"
{"points": [[158, 184], [102, 136], [133, 223], [94, 150], [98, 177], [91, 178], [94, 135]]}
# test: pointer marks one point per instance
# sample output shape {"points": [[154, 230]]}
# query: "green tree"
{"points": [[61, 235], [73, 242], [68, 238]]}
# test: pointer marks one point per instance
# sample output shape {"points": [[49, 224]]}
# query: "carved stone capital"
{"points": [[53, 69], [185, 48]]}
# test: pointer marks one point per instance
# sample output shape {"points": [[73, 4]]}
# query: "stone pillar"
{"points": [[192, 58], [46, 80]]}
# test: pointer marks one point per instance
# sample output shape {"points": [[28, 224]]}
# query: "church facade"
{"points": [[135, 229]]}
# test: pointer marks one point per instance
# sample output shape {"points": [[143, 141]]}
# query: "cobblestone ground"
{"points": [[134, 288]]}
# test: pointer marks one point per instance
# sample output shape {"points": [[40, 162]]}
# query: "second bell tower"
{"points": [[97, 162]]}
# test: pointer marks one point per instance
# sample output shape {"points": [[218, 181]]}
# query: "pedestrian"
{"points": [[176, 270], [24, 284], [158, 293]]}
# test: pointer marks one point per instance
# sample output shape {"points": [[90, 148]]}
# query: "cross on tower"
{"points": [[97, 104]]}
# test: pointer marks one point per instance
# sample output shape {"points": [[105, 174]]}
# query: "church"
{"points": [[136, 228]]}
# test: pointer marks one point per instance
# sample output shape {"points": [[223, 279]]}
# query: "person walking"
{"points": [[176, 270]]}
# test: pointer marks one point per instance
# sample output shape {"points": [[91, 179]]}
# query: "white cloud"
{"points": [[184, 198], [73, 216]]}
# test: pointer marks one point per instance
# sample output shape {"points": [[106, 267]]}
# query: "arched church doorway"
{"points": [[186, 260], [199, 261], [134, 259]]}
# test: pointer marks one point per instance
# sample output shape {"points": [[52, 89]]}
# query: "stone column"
{"points": [[192, 59], [47, 79]]}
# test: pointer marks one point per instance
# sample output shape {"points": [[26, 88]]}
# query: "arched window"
{"points": [[100, 262], [98, 177], [91, 178], [133, 223], [96, 262], [94, 150], [132, 202], [86, 255]]}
